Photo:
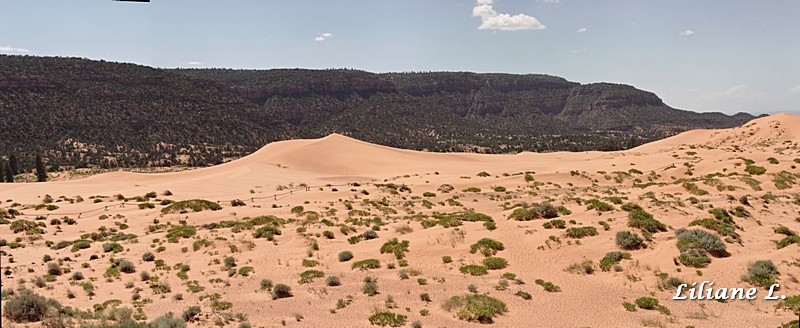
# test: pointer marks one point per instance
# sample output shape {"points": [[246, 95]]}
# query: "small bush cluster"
{"points": [[476, 307], [628, 240]]}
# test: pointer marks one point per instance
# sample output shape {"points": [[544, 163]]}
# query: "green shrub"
{"points": [[611, 259], [26, 306], [148, 257], [555, 224], [755, 170], [696, 258], [791, 303], [333, 281], [370, 287], [81, 244], [473, 269], [395, 247], [629, 240], [761, 273], [447, 259], [309, 275], [369, 234], [191, 313], [229, 261], [647, 303], [367, 264], [345, 256], [630, 207], [386, 318], [524, 295], [495, 263], [487, 247], [548, 286], [476, 307], [112, 247], [54, 269], [196, 205], [596, 204], [700, 239], [580, 232], [642, 220], [268, 231]]}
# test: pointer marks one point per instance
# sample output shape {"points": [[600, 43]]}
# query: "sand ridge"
{"points": [[347, 187]]}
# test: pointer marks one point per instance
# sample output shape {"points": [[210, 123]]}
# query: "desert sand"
{"points": [[345, 185]]}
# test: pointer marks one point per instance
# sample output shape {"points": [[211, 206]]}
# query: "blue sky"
{"points": [[726, 56]]}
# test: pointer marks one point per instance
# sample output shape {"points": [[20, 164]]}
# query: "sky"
{"points": [[703, 55]]}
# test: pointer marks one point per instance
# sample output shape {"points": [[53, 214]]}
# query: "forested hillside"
{"points": [[79, 112]]}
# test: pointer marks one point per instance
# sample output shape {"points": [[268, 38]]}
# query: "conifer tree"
{"points": [[8, 173], [41, 173], [14, 164]]}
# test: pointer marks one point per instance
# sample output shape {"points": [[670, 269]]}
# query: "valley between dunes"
{"points": [[347, 187]]}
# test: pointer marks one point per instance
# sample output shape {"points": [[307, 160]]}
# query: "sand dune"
{"points": [[346, 187]]}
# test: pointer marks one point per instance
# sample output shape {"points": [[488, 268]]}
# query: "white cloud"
{"points": [[194, 63], [577, 51], [492, 20], [581, 30], [735, 92], [9, 49], [687, 33], [796, 89], [323, 36], [550, 1]]}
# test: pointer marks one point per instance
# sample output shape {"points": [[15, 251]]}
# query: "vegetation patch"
{"points": [[475, 308], [196, 205]]}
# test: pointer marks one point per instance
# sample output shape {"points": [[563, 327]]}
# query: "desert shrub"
{"points": [[345, 256], [125, 266], [112, 247], [630, 207], [309, 275], [611, 259], [629, 240], [476, 307], [180, 231], [555, 224], [596, 204], [548, 286], [584, 267], [191, 313], [580, 232], [26, 306], [77, 276], [268, 231], [148, 257], [640, 219], [81, 244], [791, 303], [473, 269], [281, 291], [237, 202], [524, 295], [54, 269], [650, 303], [700, 239], [386, 318], [487, 247], [495, 263], [333, 281], [369, 234], [370, 287], [524, 214], [696, 258], [367, 264], [229, 261], [196, 205], [755, 170], [761, 273], [395, 247]]}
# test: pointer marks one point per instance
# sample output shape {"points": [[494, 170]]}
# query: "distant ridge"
{"points": [[80, 112]]}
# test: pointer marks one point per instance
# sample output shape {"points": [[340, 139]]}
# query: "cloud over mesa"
{"points": [[492, 20], [9, 49]]}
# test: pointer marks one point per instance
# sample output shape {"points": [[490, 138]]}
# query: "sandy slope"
{"points": [[585, 300]]}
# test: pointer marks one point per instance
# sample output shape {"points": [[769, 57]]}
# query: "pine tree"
{"points": [[41, 173], [14, 164], [8, 172]]}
